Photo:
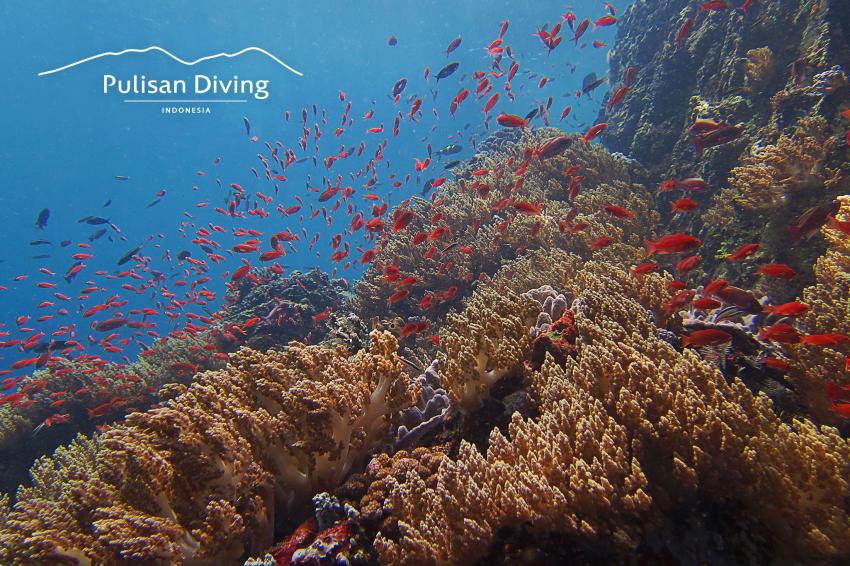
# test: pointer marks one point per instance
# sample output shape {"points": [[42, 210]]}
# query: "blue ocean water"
{"points": [[65, 141]]}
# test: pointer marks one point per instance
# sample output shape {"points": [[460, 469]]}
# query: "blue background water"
{"points": [[64, 140]]}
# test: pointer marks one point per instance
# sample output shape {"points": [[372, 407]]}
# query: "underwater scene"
{"points": [[425, 283]]}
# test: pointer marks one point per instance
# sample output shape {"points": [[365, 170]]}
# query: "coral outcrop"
{"points": [[205, 477]]}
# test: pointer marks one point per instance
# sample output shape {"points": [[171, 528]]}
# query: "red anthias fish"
{"points": [[738, 297], [708, 133], [793, 308], [674, 243], [778, 270], [511, 121], [744, 251], [707, 337], [780, 332], [811, 221]]}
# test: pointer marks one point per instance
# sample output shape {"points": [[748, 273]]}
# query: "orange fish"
{"points": [[744, 251], [528, 208], [618, 211], [594, 131], [601, 242]]}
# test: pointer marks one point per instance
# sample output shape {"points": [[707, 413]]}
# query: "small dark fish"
{"points": [[588, 79], [448, 70], [42, 347], [41, 219], [110, 324], [451, 164], [154, 203], [183, 255], [122, 178], [41, 256], [40, 243], [532, 114], [593, 85], [107, 203], [450, 149], [399, 85], [247, 126], [65, 243], [95, 235], [93, 220], [426, 188], [391, 40], [129, 255]]}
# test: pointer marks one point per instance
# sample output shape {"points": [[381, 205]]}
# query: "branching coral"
{"points": [[485, 230], [93, 392], [201, 477], [759, 66], [484, 343], [771, 174], [631, 429], [829, 301]]}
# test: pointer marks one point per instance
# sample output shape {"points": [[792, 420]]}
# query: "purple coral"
{"points": [[431, 405]]}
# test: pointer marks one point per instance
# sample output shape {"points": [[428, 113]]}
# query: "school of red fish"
{"points": [[364, 225]]}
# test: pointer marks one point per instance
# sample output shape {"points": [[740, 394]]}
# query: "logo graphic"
{"points": [[178, 59], [145, 89]]}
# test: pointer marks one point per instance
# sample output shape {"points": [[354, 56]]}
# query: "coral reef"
{"points": [[91, 392], [206, 476], [483, 343], [769, 176], [478, 228], [281, 307], [630, 430]]}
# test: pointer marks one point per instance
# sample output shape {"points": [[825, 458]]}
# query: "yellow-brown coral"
{"points": [[629, 430], [484, 343], [771, 174], [201, 477]]}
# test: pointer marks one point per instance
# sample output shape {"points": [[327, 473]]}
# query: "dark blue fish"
{"points": [[95, 235], [247, 126], [94, 220], [122, 178], [40, 242], [391, 40], [41, 219], [399, 85], [448, 70], [129, 255]]}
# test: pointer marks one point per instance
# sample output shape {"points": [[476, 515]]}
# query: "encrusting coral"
{"points": [[202, 477], [630, 430]]}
